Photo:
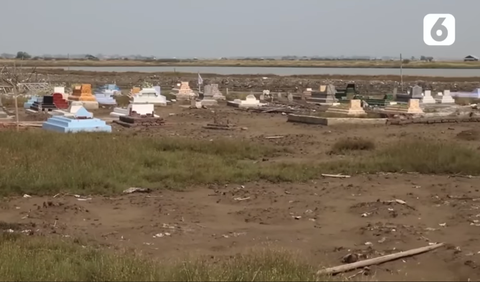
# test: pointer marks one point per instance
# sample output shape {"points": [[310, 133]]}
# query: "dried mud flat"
{"points": [[323, 220]]}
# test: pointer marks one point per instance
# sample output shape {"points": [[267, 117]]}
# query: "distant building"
{"points": [[470, 58]]}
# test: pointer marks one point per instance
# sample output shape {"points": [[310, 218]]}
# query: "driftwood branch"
{"points": [[374, 261], [335, 175]]}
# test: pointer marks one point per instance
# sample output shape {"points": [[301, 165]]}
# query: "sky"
{"points": [[227, 28]]}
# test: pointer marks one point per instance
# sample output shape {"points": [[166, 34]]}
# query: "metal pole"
{"points": [[401, 72], [15, 93]]}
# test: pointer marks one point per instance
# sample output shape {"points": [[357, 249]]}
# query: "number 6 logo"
{"points": [[439, 29]]}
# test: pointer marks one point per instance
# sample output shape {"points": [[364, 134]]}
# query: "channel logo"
{"points": [[439, 29]]}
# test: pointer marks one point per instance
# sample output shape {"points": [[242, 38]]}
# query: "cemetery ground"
{"points": [[249, 204]]}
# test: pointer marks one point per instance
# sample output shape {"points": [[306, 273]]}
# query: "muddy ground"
{"points": [[323, 220], [365, 84]]}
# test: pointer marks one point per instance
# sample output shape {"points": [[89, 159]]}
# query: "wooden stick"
{"points": [[374, 261], [335, 175]]}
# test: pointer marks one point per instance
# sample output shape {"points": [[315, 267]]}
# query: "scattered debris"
{"points": [[136, 190], [374, 261], [274, 137], [335, 175]]}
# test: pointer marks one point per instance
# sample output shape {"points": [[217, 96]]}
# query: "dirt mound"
{"points": [[469, 135]]}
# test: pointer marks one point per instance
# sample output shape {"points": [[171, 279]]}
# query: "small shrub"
{"points": [[122, 100], [352, 144]]}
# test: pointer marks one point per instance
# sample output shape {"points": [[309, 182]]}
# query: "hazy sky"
{"points": [[216, 28]]}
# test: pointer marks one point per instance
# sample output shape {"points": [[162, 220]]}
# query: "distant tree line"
{"points": [[21, 55]]}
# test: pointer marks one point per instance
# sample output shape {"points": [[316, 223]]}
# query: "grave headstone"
{"points": [[413, 107], [217, 95], [158, 89], [84, 94], [83, 113], [59, 102], [353, 108], [44, 103], [447, 97], [290, 97], [427, 98], [185, 92], [323, 97], [417, 92]]}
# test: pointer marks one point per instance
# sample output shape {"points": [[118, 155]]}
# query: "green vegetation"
{"points": [[41, 162], [416, 155], [40, 259], [44, 163]]}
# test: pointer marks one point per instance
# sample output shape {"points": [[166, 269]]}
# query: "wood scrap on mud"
{"points": [[375, 261], [335, 175]]}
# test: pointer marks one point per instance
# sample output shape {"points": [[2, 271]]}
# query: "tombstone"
{"points": [[413, 107], [217, 95], [44, 103], [331, 89], [82, 113], [350, 91], [74, 107], [84, 94], [394, 92], [427, 98], [279, 95], [447, 98], [59, 102], [150, 96], [82, 120], [158, 89], [262, 97], [290, 97], [417, 92], [208, 101], [211, 91], [207, 91], [353, 108], [59, 89], [326, 97], [250, 102], [185, 92]]}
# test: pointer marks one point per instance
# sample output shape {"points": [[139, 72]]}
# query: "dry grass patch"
{"points": [[41, 162], [422, 156], [352, 144], [42, 259]]}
